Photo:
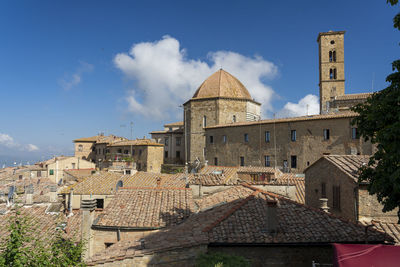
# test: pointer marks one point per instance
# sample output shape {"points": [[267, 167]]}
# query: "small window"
{"points": [[107, 245], [80, 148], [39, 174], [336, 197], [178, 141], [170, 128], [332, 42], [100, 203], [204, 121], [166, 141], [127, 171], [51, 172], [326, 134], [126, 151], [241, 161], [20, 177], [330, 56], [267, 136], [140, 152], [293, 135], [216, 161], [178, 154], [246, 137], [234, 118], [334, 56], [119, 150], [293, 161], [224, 139], [211, 138], [354, 133], [323, 190], [165, 154], [73, 165], [267, 161]]}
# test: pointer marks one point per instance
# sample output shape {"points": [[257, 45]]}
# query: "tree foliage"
{"points": [[26, 246], [379, 122], [221, 260]]}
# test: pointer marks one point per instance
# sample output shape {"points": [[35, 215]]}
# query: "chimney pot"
{"points": [[324, 204]]}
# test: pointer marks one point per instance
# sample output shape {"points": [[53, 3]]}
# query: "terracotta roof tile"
{"points": [[179, 123], [391, 229], [147, 208], [241, 219], [348, 164], [137, 142]]}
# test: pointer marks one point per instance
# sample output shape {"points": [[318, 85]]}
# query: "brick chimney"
{"points": [[87, 206], [158, 181], [272, 218], [53, 193], [29, 195]]}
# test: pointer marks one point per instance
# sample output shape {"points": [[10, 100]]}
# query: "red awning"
{"points": [[352, 255]]}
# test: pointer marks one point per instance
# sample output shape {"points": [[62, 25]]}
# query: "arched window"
{"points": [[334, 56], [80, 148], [332, 74], [330, 56]]}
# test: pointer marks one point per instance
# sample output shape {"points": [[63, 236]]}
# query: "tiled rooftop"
{"points": [[137, 142], [100, 139], [391, 229], [348, 114], [174, 124], [348, 164], [241, 218], [147, 208], [353, 96], [104, 183]]}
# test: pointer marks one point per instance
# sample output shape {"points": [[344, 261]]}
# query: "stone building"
{"points": [[264, 228], [57, 165], [334, 179], [173, 140]]}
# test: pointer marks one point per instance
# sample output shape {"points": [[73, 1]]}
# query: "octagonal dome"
{"points": [[222, 84]]}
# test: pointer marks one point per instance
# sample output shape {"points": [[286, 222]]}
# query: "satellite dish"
{"points": [[119, 184]]}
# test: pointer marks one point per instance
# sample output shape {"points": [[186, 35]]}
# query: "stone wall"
{"points": [[155, 158], [325, 172], [308, 147], [371, 209], [86, 152]]}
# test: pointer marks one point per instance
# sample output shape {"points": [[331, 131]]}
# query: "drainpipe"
{"points": [[71, 197]]}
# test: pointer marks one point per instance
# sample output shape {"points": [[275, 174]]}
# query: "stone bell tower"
{"points": [[331, 67]]}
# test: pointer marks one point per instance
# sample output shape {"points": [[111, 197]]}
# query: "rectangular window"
{"points": [[99, 203], [204, 121], [241, 161], [178, 141], [140, 152], [323, 190], [326, 134], [267, 161], [39, 174], [211, 139], [165, 154], [216, 161], [127, 171], [73, 165], [246, 137], [52, 172], [126, 151], [166, 141], [336, 197], [119, 151], [285, 166], [293, 162], [293, 135], [267, 136], [178, 154], [224, 139], [354, 133]]}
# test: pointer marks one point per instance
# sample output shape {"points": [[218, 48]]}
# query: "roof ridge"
{"points": [[231, 211]]}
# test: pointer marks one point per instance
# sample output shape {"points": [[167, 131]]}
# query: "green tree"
{"points": [[26, 246], [221, 259], [379, 122]]}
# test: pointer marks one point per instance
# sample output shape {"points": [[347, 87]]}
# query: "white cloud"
{"points": [[9, 142], [165, 78], [73, 80], [31, 147], [308, 105]]}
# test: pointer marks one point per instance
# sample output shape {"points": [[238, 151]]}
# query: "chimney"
{"points": [[53, 193], [87, 206], [71, 198], [272, 219], [29, 195], [158, 182], [324, 204]]}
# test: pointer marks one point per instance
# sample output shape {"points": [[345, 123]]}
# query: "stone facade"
{"points": [[309, 142], [355, 203], [55, 170], [331, 67]]}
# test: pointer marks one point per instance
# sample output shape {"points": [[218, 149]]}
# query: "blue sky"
{"points": [[67, 69]]}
